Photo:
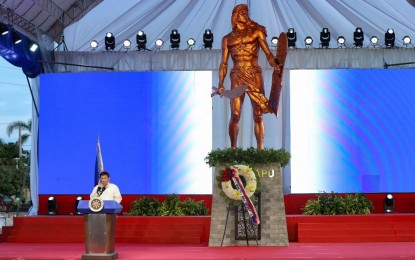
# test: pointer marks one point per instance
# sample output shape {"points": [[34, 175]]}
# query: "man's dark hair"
{"points": [[104, 173]]}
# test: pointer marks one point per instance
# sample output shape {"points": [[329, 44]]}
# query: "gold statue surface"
{"points": [[243, 44]]}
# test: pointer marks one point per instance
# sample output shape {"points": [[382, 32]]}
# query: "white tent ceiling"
{"points": [[85, 20], [191, 17]]}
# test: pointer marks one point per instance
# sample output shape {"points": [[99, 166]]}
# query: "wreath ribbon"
{"points": [[245, 198]]}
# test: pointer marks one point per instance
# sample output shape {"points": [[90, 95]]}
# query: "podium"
{"points": [[99, 230]]}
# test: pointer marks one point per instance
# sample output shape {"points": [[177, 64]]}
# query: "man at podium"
{"points": [[106, 190]]}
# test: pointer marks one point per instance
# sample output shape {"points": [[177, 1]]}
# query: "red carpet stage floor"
{"points": [[394, 250]]}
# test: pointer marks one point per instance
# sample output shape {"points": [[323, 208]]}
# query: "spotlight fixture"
{"points": [[292, 38], [374, 41], [16, 38], [141, 40], [325, 38], [274, 41], [406, 41], [52, 206], [174, 39], [159, 44], [341, 42], [190, 43], [358, 37], [390, 38], [308, 41], [4, 29], [126, 44], [33, 47], [388, 204], [109, 41], [208, 39], [94, 45], [78, 199]]}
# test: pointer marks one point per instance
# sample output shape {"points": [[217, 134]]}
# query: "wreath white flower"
{"points": [[250, 187]]}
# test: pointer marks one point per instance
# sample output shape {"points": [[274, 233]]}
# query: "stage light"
{"points": [[374, 41], [390, 38], [109, 41], [19, 50], [406, 41], [52, 206], [159, 44], [16, 38], [208, 39], [341, 42], [389, 204], [141, 40], [308, 41], [292, 38], [94, 45], [79, 198], [358, 37], [190, 43], [4, 29], [174, 39], [126, 44], [33, 47], [325, 38], [274, 41]]}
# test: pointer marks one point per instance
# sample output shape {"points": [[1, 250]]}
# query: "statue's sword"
{"points": [[231, 94]]}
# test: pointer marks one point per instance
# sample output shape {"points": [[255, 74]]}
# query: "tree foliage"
{"points": [[12, 171]]}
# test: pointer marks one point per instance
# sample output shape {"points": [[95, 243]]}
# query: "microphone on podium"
{"points": [[100, 190]]}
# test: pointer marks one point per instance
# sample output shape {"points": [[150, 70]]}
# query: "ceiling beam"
{"points": [[74, 13], [63, 18], [29, 29]]}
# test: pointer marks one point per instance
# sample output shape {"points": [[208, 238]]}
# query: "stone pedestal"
{"points": [[272, 216]]}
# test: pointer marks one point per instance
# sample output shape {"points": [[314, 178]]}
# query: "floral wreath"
{"points": [[232, 194]]}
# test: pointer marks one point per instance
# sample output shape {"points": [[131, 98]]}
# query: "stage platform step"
{"points": [[357, 228], [5, 232], [395, 227], [129, 229]]}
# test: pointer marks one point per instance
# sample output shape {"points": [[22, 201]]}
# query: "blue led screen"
{"points": [[352, 130], [155, 129]]}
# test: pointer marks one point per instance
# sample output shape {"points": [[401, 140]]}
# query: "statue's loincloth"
{"points": [[251, 76]]}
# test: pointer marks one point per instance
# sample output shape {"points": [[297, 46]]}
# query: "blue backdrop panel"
{"points": [[352, 130], [155, 130]]}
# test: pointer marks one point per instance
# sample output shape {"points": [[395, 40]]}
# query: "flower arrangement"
{"points": [[250, 183], [238, 184]]}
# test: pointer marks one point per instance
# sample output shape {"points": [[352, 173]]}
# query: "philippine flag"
{"points": [[99, 165]]}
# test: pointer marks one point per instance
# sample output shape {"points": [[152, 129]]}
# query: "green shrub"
{"points": [[171, 206], [335, 204], [250, 156], [190, 207], [312, 207], [145, 207]]}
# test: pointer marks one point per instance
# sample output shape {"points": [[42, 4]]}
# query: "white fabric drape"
{"points": [[34, 172], [157, 18]]}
